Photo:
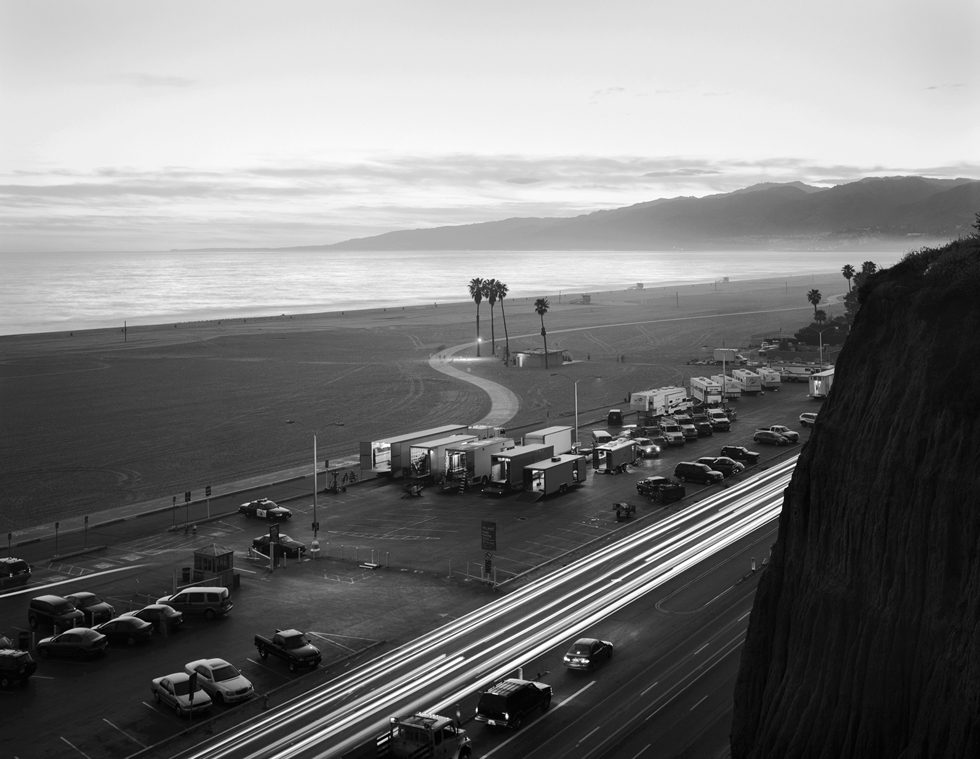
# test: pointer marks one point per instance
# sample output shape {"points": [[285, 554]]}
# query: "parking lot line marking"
{"points": [[116, 727], [75, 747]]}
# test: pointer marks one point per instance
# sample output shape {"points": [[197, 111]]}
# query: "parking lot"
{"points": [[389, 568]]}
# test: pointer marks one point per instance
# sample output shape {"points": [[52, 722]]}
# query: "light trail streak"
{"points": [[681, 541]]}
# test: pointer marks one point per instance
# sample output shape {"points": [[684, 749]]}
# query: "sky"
{"points": [[137, 125]]}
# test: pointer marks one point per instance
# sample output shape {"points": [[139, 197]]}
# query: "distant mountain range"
{"points": [[916, 211]]}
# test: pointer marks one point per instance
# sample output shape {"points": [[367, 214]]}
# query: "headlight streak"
{"points": [[597, 599]]}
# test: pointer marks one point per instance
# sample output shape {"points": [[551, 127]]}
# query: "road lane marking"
{"points": [[703, 698], [644, 692], [75, 747], [641, 751], [116, 727]]}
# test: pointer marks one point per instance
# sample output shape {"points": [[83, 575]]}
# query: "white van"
{"points": [[210, 602]]}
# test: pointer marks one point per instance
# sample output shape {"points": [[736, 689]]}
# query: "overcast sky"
{"points": [[130, 125]]}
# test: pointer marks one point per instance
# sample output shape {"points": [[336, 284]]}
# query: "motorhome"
{"points": [[749, 382], [730, 388], [706, 390]]}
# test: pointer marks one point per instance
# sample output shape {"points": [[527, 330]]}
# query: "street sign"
{"points": [[488, 535], [207, 491], [187, 496]]}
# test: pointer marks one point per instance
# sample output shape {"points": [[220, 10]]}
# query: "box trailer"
{"points": [[560, 438], [507, 467], [658, 401], [390, 455], [706, 390], [748, 381], [729, 387], [770, 378], [820, 383], [556, 475], [612, 457], [427, 459], [468, 463]]}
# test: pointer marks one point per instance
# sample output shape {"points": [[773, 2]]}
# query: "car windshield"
{"points": [[224, 672], [294, 641], [62, 607], [581, 649]]}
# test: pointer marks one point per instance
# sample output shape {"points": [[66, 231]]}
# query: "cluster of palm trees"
{"points": [[494, 292]]}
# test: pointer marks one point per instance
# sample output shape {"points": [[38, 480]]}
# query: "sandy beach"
{"points": [[101, 418]]}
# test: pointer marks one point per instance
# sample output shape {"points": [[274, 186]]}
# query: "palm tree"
{"points": [[476, 293], [490, 293], [501, 294], [848, 271], [541, 307], [820, 316], [814, 297]]}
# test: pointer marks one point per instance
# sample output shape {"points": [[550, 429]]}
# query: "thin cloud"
{"points": [[158, 81]]}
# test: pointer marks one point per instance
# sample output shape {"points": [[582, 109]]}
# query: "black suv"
{"points": [[510, 702], [53, 611], [13, 572], [15, 667], [740, 453], [94, 608]]}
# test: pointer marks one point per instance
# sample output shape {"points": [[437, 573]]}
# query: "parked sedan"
{"points": [[287, 546], [770, 438], [175, 691], [808, 418], [127, 631], [587, 653], [77, 643], [94, 608], [165, 619], [265, 509], [727, 466], [740, 453], [221, 680]]}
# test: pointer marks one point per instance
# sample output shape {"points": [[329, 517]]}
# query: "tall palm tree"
{"points": [[501, 294], [848, 271], [814, 297], [541, 307], [476, 293], [490, 293], [820, 316]]}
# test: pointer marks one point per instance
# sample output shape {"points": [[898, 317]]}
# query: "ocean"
{"points": [[52, 292]]}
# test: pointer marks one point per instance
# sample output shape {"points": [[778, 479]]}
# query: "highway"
{"points": [[443, 670]]}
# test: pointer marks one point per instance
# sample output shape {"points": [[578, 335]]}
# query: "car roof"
{"points": [[50, 599]]}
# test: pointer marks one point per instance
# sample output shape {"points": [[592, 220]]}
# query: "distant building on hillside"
{"points": [[534, 359]]}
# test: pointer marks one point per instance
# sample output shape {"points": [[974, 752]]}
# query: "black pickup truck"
{"points": [[290, 646]]}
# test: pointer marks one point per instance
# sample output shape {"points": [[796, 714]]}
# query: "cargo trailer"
{"points": [[469, 463], [507, 467], [557, 474]]}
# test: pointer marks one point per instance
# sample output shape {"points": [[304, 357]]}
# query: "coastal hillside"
{"points": [[909, 210], [864, 639]]}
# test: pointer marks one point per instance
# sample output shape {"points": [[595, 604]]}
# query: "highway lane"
{"points": [[445, 667]]}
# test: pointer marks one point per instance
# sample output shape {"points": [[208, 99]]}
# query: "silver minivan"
{"points": [[209, 602]]}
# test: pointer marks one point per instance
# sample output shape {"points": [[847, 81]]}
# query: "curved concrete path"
{"points": [[504, 404]]}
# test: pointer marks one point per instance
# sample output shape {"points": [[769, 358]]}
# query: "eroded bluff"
{"points": [[864, 640]]}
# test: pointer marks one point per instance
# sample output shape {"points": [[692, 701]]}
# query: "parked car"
{"points": [[727, 466], [13, 572], [588, 653], [175, 691], [221, 680], [510, 702], [808, 418], [16, 667], [53, 611], [287, 546], [265, 509], [77, 643], [649, 485], [164, 618], [769, 438], [689, 471], [94, 608], [740, 453], [208, 601], [127, 631], [646, 448]]}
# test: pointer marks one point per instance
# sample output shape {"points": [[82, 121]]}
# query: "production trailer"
{"points": [[560, 438], [557, 474], [730, 388], [612, 457], [770, 378], [507, 468], [820, 384], [427, 459], [749, 382], [658, 401], [469, 463], [706, 390], [390, 455]]}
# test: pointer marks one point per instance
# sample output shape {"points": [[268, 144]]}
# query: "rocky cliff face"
{"points": [[864, 640]]}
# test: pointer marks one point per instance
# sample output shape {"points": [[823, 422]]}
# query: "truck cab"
{"points": [[428, 736]]}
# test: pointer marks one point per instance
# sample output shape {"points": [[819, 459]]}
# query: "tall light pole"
{"points": [[575, 391]]}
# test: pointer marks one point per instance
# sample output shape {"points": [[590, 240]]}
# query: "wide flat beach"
{"points": [[102, 418]]}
